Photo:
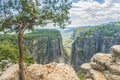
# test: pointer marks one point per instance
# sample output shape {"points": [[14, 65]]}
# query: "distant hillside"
{"points": [[79, 31], [109, 30]]}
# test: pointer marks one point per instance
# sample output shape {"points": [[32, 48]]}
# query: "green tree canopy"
{"points": [[21, 15], [29, 13]]}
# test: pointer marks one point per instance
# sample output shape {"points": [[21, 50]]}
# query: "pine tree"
{"points": [[21, 15]]}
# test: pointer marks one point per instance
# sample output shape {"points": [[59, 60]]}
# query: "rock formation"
{"points": [[45, 45], [52, 71], [45, 49], [103, 66], [92, 42]]}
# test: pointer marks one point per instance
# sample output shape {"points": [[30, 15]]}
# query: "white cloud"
{"points": [[91, 12]]}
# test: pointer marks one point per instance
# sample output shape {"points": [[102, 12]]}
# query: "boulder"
{"points": [[104, 66], [53, 71], [113, 68], [111, 76], [85, 67], [99, 61], [116, 53], [97, 75], [11, 73]]}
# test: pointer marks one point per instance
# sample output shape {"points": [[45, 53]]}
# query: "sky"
{"points": [[94, 12]]}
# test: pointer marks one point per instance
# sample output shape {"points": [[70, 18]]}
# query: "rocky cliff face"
{"points": [[86, 47], [96, 39], [45, 49], [45, 45], [103, 66]]}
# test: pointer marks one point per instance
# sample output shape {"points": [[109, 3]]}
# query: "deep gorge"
{"points": [[46, 45]]}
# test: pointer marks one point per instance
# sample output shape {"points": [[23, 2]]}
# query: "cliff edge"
{"points": [[103, 66], [52, 71]]}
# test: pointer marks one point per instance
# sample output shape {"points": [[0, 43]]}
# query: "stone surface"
{"points": [[99, 61], [97, 75], [111, 76], [85, 47], [103, 67], [113, 68], [11, 73], [85, 67], [116, 53], [52, 71], [4, 64]]}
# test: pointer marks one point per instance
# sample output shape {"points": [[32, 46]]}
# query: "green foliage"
{"points": [[47, 32], [81, 75], [28, 13], [10, 51], [109, 30], [0, 69], [29, 59], [9, 48]]}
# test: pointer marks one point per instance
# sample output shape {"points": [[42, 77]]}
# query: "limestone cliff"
{"points": [[103, 66], [85, 48], [46, 47], [97, 39]]}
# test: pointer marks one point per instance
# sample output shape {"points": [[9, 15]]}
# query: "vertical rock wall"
{"points": [[84, 48], [45, 49]]}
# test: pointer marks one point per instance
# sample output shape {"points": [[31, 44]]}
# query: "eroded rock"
{"points": [[99, 61], [11, 73], [52, 71], [85, 67], [104, 66], [116, 53]]}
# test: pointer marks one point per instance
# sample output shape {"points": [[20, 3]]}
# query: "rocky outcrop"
{"points": [[12, 73], [85, 47], [52, 71], [103, 66], [4, 64]]}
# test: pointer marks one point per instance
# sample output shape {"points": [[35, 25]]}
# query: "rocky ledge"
{"points": [[52, 71], [103, 66]]}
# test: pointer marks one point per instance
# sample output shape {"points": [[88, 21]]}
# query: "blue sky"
{"points": [[94, 12]]}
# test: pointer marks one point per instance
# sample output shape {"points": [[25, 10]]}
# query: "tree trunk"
{"points": [[21, 52]]}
